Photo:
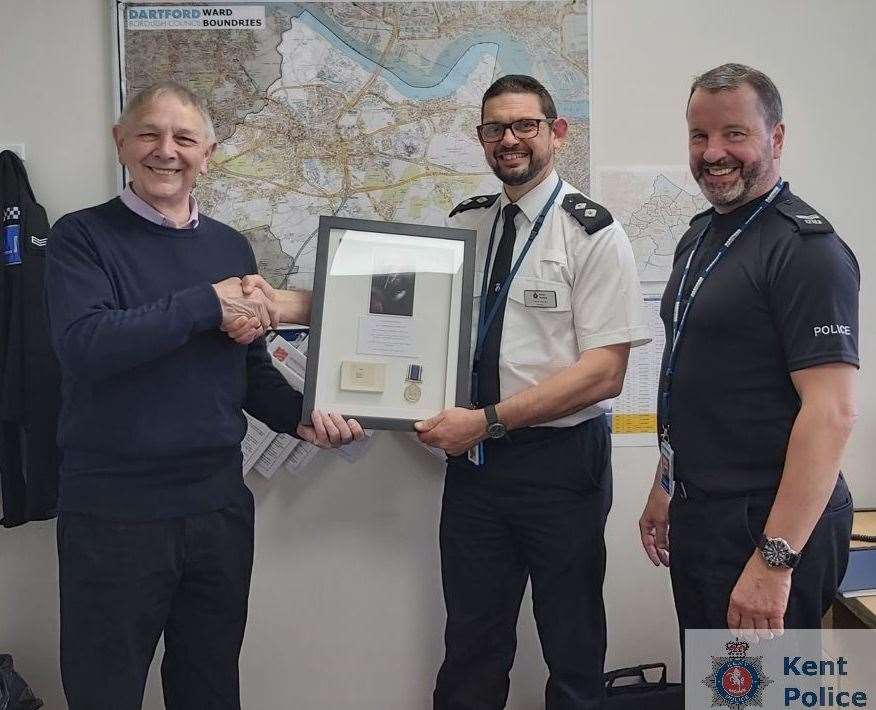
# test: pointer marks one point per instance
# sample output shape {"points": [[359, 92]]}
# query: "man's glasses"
{"points": [[521, 128]]}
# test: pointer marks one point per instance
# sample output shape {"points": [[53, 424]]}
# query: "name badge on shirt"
{"points": [[667, 467], [540, 299]]}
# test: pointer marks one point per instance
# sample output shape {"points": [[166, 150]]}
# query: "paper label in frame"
{"points": [[363, 376]]}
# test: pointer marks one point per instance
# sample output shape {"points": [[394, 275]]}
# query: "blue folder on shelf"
{"points": [[861, 572]]}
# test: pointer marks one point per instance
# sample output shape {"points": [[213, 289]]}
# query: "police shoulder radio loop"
{"points": [[485, 320], [679, 320]]}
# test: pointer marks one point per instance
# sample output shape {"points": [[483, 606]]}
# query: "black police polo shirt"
{"points": [[783, 298]]}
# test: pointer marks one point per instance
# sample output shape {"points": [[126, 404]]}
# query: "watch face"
{"points": [[775, 552], [496, 430]]}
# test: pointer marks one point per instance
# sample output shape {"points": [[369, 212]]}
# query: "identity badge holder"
{"points": [[667, 467], [476, 454]]}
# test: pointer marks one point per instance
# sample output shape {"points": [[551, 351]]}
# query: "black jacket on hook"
{"points": [[30, 381]]}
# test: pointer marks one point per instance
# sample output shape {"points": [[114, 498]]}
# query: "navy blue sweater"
{"points": [[153, 391]]}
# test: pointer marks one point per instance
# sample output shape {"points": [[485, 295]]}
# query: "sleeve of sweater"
{"points": [[92, 335], [269, 398]]}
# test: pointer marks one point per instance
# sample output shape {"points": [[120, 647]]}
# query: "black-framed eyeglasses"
{"points": [[521, 128]]}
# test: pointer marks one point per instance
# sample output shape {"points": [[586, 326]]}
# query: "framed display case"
{"points": [[390, 327]]}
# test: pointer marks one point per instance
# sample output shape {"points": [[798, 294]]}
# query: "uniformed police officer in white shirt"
{"points": [[528, 484]]}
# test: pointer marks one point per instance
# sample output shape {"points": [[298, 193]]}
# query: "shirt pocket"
{"points": [[538, 327]]}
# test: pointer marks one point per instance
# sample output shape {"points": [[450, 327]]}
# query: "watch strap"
{"points": [[495, 428]]}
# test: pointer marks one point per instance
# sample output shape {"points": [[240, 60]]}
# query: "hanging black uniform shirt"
{"points": [[783, 298], [29, 373]]}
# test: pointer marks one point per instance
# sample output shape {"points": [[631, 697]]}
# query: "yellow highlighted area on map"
{"points": [[634, 424]]}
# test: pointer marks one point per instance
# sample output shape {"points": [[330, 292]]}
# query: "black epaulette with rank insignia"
{"points": [[473, 203], [587, 213], [806, 220]]}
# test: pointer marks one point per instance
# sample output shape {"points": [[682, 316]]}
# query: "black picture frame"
{"points": [[457, 358]]}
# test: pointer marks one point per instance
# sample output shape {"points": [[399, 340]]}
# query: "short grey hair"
{"points": [[729, 77], [162, 88]]}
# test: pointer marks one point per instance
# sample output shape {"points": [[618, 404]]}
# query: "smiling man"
{"points": [[528, 485], [155, 532], [758, 390]]}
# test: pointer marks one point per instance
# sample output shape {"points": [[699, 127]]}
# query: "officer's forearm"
{"points": [[812, 463], [293, 306], [598, 375]]}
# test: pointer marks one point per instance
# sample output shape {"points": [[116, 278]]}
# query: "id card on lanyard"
{"points": [[485, 320], [679, 321], [667, 467]]}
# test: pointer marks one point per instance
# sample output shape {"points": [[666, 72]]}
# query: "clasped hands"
{"points": [[251, 306]]}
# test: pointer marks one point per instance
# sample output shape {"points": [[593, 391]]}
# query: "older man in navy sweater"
{"points": [[155, 532]]}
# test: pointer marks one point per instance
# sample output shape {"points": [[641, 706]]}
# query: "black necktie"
{"points": [[488, 365]]}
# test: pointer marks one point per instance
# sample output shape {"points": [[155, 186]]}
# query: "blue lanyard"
{"points": [[679, 317], [484, 323]]}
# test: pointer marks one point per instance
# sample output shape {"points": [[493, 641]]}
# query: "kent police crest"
{"points": [[737, 681]]}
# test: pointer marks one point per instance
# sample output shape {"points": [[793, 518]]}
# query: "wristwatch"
{"points": [[777, 552], [495, 428]]}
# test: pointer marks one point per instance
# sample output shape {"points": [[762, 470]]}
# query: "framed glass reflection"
{"points": [[390, 333]]}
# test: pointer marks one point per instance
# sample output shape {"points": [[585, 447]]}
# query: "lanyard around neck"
{"points": [[484, 323], [485, 320], [679, 316]]}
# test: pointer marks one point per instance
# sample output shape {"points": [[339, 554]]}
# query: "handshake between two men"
{"points": [[251, 307]]}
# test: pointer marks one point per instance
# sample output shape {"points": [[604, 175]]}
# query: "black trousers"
{"points": [[711, 540], [124, 583], [536, 509]]}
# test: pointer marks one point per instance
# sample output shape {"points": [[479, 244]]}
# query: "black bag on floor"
{"points": [[641, 693], [14, 693]]}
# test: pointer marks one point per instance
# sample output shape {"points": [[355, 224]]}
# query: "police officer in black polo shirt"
{"points": [[757, 391]]}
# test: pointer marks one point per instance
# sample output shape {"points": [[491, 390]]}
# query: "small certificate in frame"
{"points": [[390, 333]]}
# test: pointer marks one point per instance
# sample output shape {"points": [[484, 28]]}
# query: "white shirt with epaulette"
{"points": [[575, 290]]}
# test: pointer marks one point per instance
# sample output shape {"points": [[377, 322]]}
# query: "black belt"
{"points": [[528, 435]]}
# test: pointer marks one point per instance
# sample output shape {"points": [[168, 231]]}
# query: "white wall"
{"points": [[346, 609]]}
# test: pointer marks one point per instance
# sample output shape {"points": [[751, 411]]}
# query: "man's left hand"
{"points": [[329, 431], [759, 599], [455, 430]]}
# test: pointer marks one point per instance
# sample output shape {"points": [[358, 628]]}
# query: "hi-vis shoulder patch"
{"points": [[473, 203], [586, 212], [805, 219]]}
